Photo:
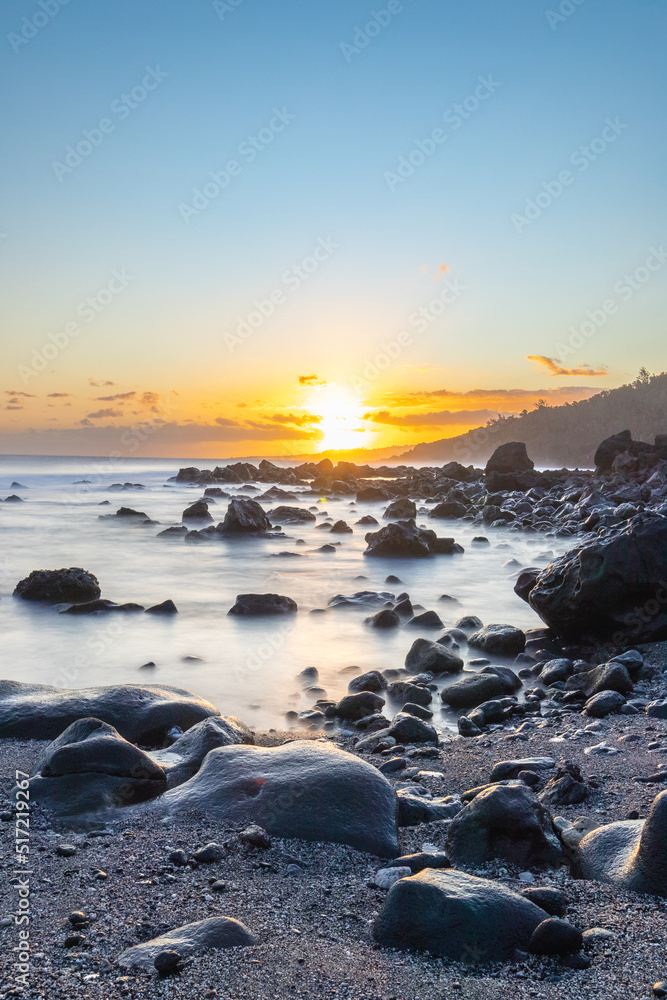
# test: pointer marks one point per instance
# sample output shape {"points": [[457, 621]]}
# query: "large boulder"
{"points": [[619, 451], [203, 935], [499, 640], [457, 916], [56, 586], [263, 604], [304, 789], [142, 713], [244, 517], [505, 822], [90, 767], [610, 589], [400, 509], [631, 854], [403, 539], [184, 757], [510, 458], [291, 515]]}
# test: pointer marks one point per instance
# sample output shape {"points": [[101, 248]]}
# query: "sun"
{"points": [[341, 418]]}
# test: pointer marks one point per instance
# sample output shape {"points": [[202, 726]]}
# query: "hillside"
{"points": [[565, 435]]}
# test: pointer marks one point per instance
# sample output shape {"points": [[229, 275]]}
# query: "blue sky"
{"points": [[224, 70]]}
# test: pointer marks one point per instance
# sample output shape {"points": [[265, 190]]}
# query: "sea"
{"points": [[248, 667]]}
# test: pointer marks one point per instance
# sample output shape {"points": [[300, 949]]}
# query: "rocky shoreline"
{"points": [[368, 852]]}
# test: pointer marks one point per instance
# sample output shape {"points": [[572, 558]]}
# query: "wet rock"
{"points": [[407, 728], [400, 509], [427, 619], [605, 677], [418, 862], [499, 640], [629, 854], [448, 509], [603, 704], [291, 515], [166, 608], [142, 713], [555, 936], [184, 757], [357, 706], [209, 854], [510, 458], [432, 656], [263, 604], [405, 691], [457, 916], [245, 517], [403, 539], [387, 618], [101, 606], [303, 789], [90, 767], [372, 680], [56, 586], [197, 511], [505, 822], [488, 683], [341, 528], [203, 935]]}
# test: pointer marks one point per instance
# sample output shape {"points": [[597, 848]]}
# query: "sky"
{"points": [[238, 227]]}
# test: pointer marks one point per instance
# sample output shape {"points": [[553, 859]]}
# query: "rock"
{"points": [[526, 581], [244, 517], [403, 539], [405, 691], [90, 767], [407, 728], [448, 509], [503, 822], [555, 936], [66, 850], [370, 681], [183, 758], [359, 705], [209, 854], [629, 854], [100, 606], [255, 836], [400, 509], [657, 709], [197, 511], [605, 677], [141, 713], [56, 586], [387, 618], [602, 704], [166, 608], [426, 655], [414, 809], [499, 640], [386, 877], [511, 768], [167, 962], [457, 916], [203, 935], [417, 862], [263, 604], [427, 619], [341, 528], [370, 493], [303, 789], [509, 459], [552, 901], [610, 449], [592, 593], [566, 788], [291, 515], [556, 670], [489, 682], [467, 727]]}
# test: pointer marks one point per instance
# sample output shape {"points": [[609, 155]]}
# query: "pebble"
{"points": [[66, 850]]}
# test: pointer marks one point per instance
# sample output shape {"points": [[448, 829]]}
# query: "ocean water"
{"points": [[247, 667]]}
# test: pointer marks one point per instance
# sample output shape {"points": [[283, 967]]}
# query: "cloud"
{"points": [[442, 418], [59, 395], [119, 395], [311, 380], [292, 418], [11, 407], [100, 414], [552, 366], [17, 392], [508, 400], [99, 384]]}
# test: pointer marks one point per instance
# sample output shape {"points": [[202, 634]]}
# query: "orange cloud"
{"points": [[552, 366]]}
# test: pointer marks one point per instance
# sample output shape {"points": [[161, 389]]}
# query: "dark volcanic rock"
{"points": [[90, 767], [403, 539], [370, 681], [204, 935], [387, 618], [490, 682], [55, 586], [184, 757], [510, 458], [552, 901], [303, 789], [359, 705], [555, 937], [263, 604], [165, 608], [407, 728], [612, 588], [197, 511], [456, 916], [426, 655], [244, 517], [499, 640], [566, 788], [629, 854], [400, 509], [611, 676], [141, 713], [504, 822], [291, 515]]}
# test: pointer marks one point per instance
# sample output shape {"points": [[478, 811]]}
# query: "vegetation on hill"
{"points": [[561, 436]]}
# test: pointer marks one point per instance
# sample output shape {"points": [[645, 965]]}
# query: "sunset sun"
{"points": [[341, 419]]}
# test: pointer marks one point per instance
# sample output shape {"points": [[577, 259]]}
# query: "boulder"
{"points": [[372, 680], [90, 767], [197, 511], [357, 706], [387, 618], [291, 515], [448, 509], [456, 916], [602, 704], [203, 935], [555, 936], [184, 757], [245, 517], [512, 768], [142, 713], [566, 788], [629, 854], [304, 789], [611, 676], [503, 822], [56, 586], [510, 459], [263, 604], [400, 509], [407, 728], [426, 655], [610, 589], [489, 682], [499, 640], [403, 539]]}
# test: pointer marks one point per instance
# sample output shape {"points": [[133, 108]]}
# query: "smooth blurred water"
{"points": [[248, 666]]}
